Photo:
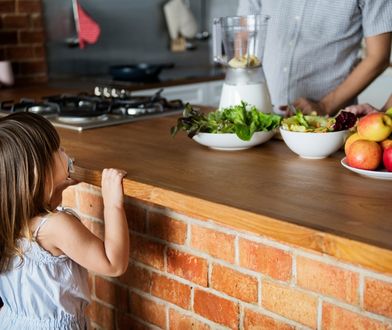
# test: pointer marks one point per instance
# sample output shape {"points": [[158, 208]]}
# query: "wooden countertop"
{"points": [[264, 189], [315, 204]]}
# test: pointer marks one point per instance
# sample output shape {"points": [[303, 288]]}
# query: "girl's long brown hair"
{"points": [[27, 145]]}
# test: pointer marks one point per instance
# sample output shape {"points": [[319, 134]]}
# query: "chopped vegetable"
{"points": [[312, 123], [241, 119]]}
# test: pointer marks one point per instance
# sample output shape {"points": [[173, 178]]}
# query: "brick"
{"points": [[37, 21], [29, 6], [188, 266], [32, 36], [378, 297], [101, 315], [31, 79], [136, 217], [178, 321], [32, 67], [91, 204], [217, 244], [216, 309], [336, 318], [39, 52], [69, 197], [290, 303], [270, 261], [166, 228], [147, 252], [171, 290], [7, 7], [257, 321], [126, 322], [328, 280], [20, 53], [8, 37], [148, 310], [16, 21], [112, 293], [136, 277], [91, 280], [234, 283]]}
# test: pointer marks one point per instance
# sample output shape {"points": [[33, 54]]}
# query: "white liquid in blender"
{"points": [[253, 94]]}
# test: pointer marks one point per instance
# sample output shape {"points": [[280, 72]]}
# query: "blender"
{"points": [[238, 44]]}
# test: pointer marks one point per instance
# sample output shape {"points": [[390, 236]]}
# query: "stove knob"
{"points": [[97, 91], [106, 92]]}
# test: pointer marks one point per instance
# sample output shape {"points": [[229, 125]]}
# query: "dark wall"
{"points": [[132, 31]]}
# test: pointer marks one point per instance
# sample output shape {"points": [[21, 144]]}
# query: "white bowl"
{"points": [[230, 141], [314, 145]]}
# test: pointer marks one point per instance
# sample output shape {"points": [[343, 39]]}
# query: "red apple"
{"points": [[387, 158], [364, 154], [375, 126]]}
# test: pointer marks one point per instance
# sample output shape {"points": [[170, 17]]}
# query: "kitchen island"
{"points": [[235, 240], [243, 238]]}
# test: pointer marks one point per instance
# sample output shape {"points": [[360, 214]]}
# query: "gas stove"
{"points": [[106, 106]]}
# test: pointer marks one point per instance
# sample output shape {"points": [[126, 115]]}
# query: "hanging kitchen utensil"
{"points": [[87, 30], [180, 22]]}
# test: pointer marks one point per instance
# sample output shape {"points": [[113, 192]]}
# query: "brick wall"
{"points": [[22, 39], [186, 273]]}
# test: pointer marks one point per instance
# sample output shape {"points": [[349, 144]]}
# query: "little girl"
{"points": [[44, 253]]}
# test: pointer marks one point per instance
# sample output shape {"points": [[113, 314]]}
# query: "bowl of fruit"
{"points": [[369, 149], [316, 137]]}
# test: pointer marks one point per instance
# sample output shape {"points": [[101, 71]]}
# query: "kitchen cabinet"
{"points": [[205, 93]]}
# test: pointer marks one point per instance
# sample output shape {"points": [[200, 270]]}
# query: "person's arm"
{"points": [[64, 234], [388, 104], [375, 62]]}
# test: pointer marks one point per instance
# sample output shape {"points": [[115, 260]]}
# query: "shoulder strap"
{"points": [[40, 225], [68, 210]]}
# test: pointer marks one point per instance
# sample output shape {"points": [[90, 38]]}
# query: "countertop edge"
{"points": [[344, 249]]}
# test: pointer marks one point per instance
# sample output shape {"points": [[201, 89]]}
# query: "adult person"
{"points": [[311, 52]]}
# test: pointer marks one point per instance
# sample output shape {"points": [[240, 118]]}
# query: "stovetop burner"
{"points": [[105, 106]]}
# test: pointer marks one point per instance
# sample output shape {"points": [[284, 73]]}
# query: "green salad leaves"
{"points": [[241, 119]]}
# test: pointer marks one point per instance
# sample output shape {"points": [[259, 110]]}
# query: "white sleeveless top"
{"points": [[45, 292]]}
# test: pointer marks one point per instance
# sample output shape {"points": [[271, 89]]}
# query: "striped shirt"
{"points": [[312, 45]]}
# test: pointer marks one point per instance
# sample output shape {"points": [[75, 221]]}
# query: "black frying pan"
{"points": [[138, 72]]}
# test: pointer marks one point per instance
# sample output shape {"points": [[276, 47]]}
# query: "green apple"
{"points": [[375, 126], [389, 112]]}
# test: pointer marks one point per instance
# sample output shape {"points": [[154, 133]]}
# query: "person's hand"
{"points": [[112, 188], [361, 109], [307, 106]]}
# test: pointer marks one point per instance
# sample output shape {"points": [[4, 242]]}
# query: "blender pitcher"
{"points": [[238, 44]]}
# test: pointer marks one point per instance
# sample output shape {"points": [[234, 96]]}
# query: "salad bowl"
{"points": [[316, 137], [314, 145], [234, 128], [230, 141]]}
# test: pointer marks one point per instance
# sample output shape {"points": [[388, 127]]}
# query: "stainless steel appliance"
{"points": [[106, 106]]}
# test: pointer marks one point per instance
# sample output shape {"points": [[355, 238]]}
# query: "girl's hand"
{"points": [[112, 189]]}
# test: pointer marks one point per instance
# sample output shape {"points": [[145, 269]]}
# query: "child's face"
{"points": [[61, 172]]}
